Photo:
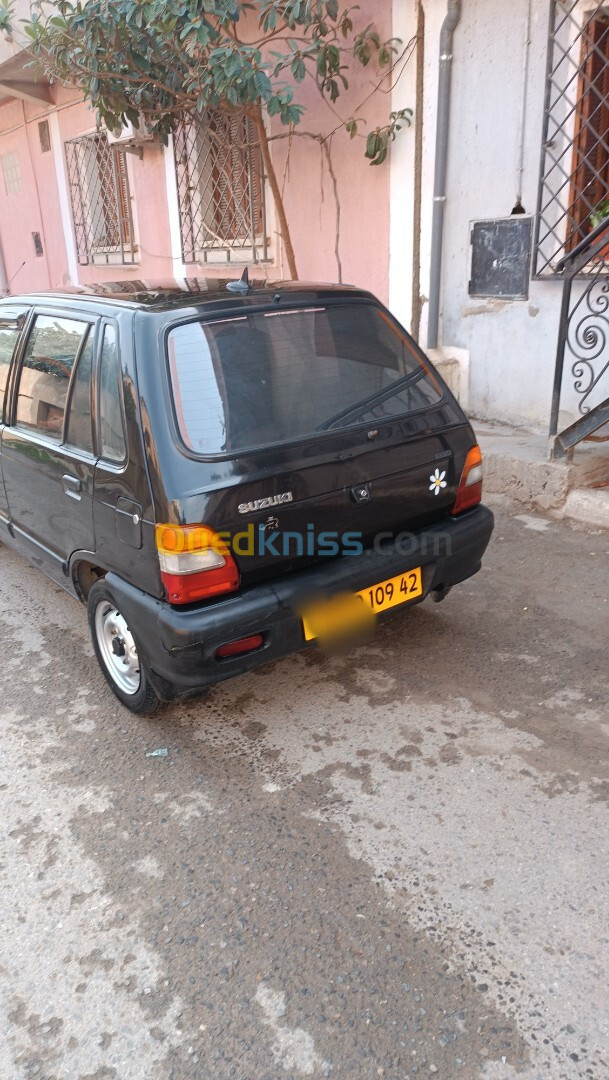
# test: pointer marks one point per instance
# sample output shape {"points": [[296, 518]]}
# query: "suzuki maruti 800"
{"points": [[226, 476]]}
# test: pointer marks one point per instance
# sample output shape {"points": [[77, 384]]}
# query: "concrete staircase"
{"points": [[516, 465]]}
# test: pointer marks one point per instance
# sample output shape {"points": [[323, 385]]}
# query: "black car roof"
{"points": [[161, 296]]}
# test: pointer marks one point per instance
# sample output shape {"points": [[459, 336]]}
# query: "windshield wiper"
{"points": [[373, 399]]}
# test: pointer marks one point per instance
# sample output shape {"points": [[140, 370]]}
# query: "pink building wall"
{"points": [[363, 194], [148, 204], [31, 209], [363, 190]]}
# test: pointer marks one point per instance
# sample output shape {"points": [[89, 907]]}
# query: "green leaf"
{"points": [[262, 84], [333, 58], [234, 65], [363, 55], [372, 144], [381, 148], [291, 114], [298, 69], [142, 61]]}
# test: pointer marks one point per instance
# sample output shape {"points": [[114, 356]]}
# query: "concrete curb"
{"points": [[532, 483], [589, 506]]}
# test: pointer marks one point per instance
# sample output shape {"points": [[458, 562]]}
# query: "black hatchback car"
{"points": [[227, 474]]}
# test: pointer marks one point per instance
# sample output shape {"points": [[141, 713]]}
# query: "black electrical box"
{"points": [[501, 258]]}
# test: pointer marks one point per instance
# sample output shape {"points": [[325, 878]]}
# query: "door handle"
{"points": [[72, 486]]}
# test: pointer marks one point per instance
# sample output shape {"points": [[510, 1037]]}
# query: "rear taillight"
{"points": [[470, 486], [195, 563]]}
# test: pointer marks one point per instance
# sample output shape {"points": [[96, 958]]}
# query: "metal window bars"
{"points": [[574, 177], [220, 183], [101, 201]]}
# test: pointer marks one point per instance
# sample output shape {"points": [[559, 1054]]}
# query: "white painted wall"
{"points": [[511, 345]]}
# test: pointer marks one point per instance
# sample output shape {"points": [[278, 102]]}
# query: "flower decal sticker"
{"points": [[438, 482]]}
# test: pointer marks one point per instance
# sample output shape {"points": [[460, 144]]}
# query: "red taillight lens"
{"points": [[243, 645], [470, 486], [195, 563]]}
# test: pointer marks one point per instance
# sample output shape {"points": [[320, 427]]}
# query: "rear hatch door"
{"points": [[317, 428]]}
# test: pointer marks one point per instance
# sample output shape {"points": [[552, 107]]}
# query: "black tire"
{"points": [[105, 620]]}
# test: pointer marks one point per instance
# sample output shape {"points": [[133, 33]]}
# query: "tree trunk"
{"points": [[269, 168]]}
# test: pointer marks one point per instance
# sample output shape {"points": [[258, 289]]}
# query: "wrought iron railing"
{"points": [[583, 343]]}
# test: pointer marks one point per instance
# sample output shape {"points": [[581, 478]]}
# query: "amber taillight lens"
{"points": [[469, 493], [195, 563]]}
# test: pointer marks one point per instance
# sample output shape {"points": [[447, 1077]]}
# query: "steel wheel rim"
{"points": [[117, 648]]}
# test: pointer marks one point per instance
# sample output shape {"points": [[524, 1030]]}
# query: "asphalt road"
{"points": [[390, 864]]}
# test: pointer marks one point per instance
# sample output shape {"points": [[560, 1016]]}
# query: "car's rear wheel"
{"points": [[117, 652]]}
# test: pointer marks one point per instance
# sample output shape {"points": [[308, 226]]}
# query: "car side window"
{"points": [[79, 431], [50, 354], [112, 445], [9, 335]]}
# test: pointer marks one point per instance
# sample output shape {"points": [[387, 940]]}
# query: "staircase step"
{"points": [[588, 505]]}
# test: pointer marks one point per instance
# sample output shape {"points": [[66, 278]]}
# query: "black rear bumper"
{"points": [[180, 645]]}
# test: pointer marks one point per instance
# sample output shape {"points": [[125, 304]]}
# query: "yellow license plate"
{"points": [[328, 617]]}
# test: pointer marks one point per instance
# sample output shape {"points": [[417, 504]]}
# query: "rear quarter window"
{"points": [[261, 379], [111, 426]]}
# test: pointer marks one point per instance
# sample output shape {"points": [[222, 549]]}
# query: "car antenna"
{"points": [[7, 292], [242, 285]]}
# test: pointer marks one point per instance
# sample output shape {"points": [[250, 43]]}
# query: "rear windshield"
{"points": [[260, 379]]}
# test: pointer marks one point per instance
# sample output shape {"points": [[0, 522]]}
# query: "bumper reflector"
{"points": [[243, 645]]}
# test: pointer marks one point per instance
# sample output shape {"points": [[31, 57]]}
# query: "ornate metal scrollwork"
{"points": [[588, 335]]}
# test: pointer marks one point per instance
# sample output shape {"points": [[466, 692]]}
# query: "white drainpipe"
{"points": [[449, 26]]}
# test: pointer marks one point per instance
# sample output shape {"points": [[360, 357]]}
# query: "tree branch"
{"points": [[325, 145], [257, 117]]}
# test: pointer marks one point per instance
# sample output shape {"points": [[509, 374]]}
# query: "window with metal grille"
{"points": [[220, 184], [574, 183], [101, 201], [12, 173]]}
